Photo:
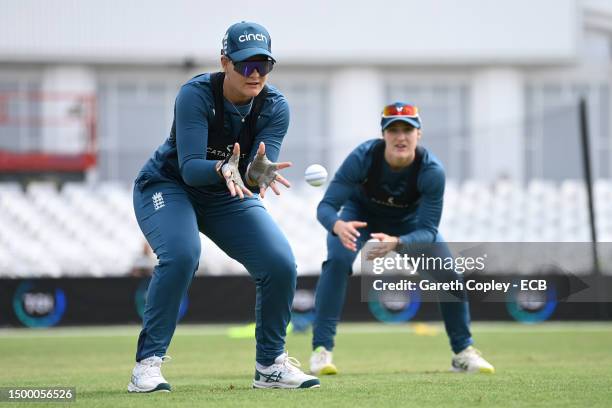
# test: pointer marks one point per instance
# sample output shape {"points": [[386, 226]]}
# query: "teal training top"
{"points": [[183, 157], [346, 186]]}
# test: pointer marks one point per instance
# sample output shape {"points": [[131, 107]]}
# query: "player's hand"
{"points": [[385, 244], [347, 232], [231, 174], [263, 173]]}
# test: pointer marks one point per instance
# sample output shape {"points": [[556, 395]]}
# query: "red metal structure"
{"points": [[29, 123]]}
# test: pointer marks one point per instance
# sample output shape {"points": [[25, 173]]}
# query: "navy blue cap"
{"points": [[392, 117], [245, 40]]}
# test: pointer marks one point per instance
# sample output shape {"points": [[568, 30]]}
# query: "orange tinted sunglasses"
{"points": [[400, 110]]}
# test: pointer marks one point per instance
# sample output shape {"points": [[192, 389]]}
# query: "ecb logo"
{"points": [[39, 305], [396, 307]]}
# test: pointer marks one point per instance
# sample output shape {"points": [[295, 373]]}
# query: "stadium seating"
{"points": [[90, 230]]}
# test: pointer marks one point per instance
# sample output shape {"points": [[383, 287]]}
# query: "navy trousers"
{"points": [[331, 288], [171, 219]]}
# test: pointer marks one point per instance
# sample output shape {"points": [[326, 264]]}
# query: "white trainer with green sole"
{"points": [[284, 373]]}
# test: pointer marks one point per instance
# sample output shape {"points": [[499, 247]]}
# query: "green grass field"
{"points": [[553, 364]]}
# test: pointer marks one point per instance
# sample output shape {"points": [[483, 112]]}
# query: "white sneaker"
{"points": [[284, 373], [471, 361], [147, 376], [321, 362]]}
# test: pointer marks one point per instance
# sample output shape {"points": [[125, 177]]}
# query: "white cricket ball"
{"points": [[315, 175]]}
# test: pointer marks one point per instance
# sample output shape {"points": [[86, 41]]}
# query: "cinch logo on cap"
{"points": [[244, 40], [253, 36]]}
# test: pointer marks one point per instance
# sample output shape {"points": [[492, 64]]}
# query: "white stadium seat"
{"points": [[90, 229]]}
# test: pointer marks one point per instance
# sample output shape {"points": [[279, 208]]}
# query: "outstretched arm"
{"points": [[192, 138], [262, 171], [347, 179]]}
